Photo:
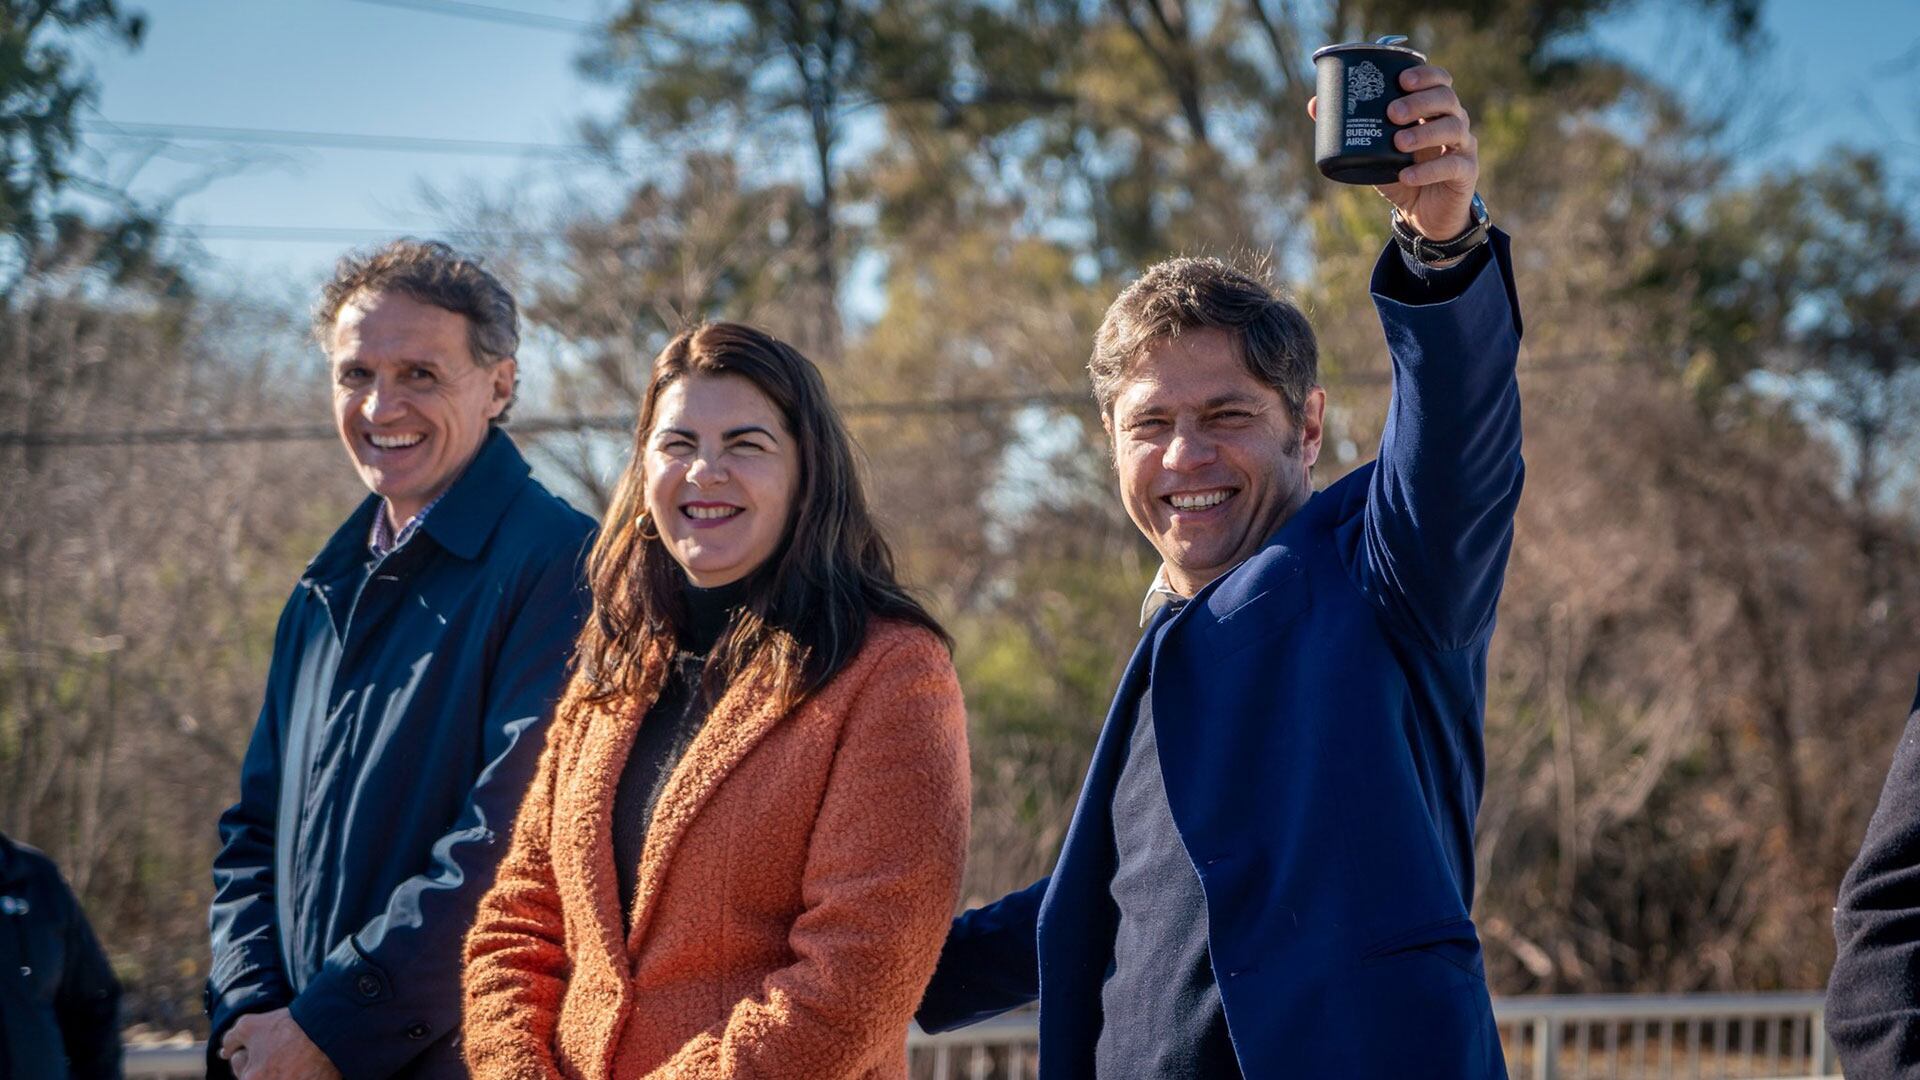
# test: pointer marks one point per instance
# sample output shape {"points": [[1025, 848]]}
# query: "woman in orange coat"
{"points": [[744, 843]]}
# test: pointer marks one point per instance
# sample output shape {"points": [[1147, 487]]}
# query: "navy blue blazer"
{"points": [[406, 706], [1319, 713]]}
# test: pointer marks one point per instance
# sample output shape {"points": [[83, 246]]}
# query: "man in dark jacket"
{"points": [[1873, 998], [1270, 870], [59, 1001], [412, 675]]}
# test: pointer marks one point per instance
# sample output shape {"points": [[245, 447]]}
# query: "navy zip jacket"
{"points": [[1318, 711], [59, 1001], [405, 708], [1873, 997]]}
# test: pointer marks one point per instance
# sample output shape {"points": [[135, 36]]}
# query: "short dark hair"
{"points": [[429, 272], [1268, 329]]}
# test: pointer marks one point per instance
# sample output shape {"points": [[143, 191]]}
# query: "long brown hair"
{"points": [[807, 606]]}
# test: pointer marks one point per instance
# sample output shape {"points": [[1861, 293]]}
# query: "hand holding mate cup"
{"points": [[1423, 158]]}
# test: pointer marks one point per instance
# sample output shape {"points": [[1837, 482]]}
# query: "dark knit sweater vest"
{"points": [[669, 727]]}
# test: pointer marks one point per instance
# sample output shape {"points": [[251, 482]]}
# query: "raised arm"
{"points": [[1439, 513], [880, 882]]}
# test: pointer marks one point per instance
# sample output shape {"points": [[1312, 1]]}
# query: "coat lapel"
{"points": [[603, 755], [735, 725], [1075, 928]]}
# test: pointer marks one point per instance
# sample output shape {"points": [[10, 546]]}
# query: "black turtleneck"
{"points": [[667, 730]]}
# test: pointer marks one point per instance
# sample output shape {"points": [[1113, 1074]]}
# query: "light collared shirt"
{"points": [[1159, 595], [383, 539]]}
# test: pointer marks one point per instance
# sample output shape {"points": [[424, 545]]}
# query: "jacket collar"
{"points": [[1161, 593], [462, 520], [465, 516]]}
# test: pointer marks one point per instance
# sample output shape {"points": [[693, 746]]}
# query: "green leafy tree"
{"points": [[763, 73], [1815, 276], [673, 254], [43, 92]]}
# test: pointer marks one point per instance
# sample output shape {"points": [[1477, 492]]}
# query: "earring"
{"points": [[642, 524]]}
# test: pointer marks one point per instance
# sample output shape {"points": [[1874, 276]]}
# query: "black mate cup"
{"points": [[1352, 138]]}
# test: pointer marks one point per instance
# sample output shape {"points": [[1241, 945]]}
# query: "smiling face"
{"points": [[721, 472], [1210, 464], [409, 400]]}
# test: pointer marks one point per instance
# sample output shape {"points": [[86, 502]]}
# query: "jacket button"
{"points": [[417, 1031], [367, 985]]}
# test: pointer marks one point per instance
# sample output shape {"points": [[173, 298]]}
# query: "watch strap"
{"points": [[1426, 252]]}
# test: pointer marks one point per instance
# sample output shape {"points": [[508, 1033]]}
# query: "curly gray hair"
{"points": [[432, 273]]}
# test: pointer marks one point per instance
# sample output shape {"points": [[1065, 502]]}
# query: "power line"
{"points": [[353, 234], [537, 425], [336, 140], [623, 422], [514, 17], [489, 13]]}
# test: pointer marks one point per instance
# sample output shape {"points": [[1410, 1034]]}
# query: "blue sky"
{"points": [[336, 66], [380, 67]]}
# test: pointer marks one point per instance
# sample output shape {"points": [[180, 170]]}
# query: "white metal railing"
{"points": [[1003, 1047], [1673, 1035], [153, 1062], [1618, 1036]]}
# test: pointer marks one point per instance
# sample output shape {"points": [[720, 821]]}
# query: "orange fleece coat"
{"points": [[795, 887]]}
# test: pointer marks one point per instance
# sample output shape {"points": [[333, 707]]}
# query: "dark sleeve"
{"points": [[247, 975], [1873, 996], [391, 988], [1438, 525], [87, 1002], [990, 963], [1417, 283]]}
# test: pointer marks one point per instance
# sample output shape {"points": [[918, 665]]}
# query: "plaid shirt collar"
{"points": [[1159, 595], [383, 540]]}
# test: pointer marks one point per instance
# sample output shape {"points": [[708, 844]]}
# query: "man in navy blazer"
{"points": [[1270, 870]]}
